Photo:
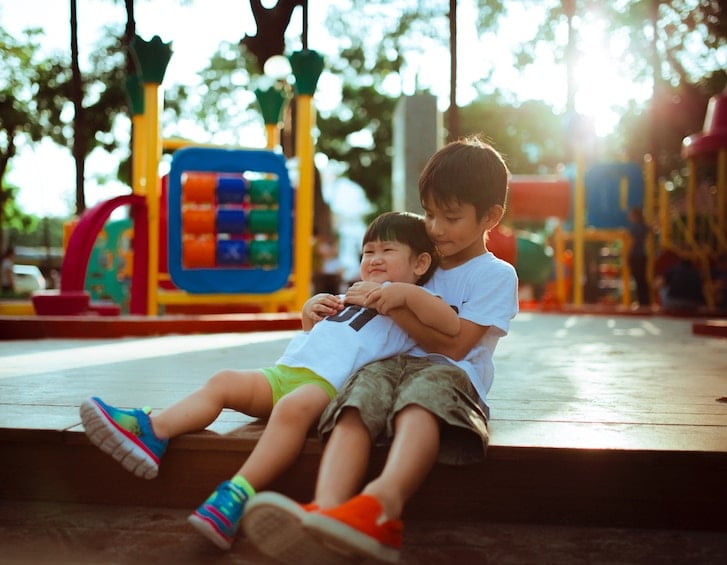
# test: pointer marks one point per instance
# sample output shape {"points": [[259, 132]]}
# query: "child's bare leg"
{"points": [[412, 455], [283, 438], [245, 391], [345, 460], [284, 435]]}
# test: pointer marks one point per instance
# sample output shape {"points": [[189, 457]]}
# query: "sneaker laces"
{"points": [[231, 505]]}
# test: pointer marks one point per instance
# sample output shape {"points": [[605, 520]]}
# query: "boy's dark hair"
{"points": [[468, 171], [406, 228]]}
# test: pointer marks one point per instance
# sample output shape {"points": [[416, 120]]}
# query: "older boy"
{"points": [[430, 403]]}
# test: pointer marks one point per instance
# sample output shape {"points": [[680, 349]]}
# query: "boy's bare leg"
{"points": [[412, 455], [344, 461], [284, 435], [245, 391]]}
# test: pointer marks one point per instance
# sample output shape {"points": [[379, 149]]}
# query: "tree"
{"points": [[103, 98], [27, 104], [271, 25], [677, 45]]}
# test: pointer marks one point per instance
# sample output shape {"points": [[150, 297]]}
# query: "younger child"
{"points": [[338, 339], [429, 404]]}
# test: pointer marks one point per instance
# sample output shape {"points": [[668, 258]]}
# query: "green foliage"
{"points": [[24, 112], [14, 219], [41, 232], [368, 165], [222, 102], [530, 135]]}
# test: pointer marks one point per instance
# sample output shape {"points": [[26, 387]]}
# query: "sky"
{"points": [[45, 173]]}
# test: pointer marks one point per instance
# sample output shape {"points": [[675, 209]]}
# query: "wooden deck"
{"points": [[598, 420]]}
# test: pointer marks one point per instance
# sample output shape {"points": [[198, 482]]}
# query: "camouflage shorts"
{"points": [[381, 389]]}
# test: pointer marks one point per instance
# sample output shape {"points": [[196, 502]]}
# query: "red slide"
{"points": [[72, 298]]}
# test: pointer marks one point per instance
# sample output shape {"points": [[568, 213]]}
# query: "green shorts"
{"points": [[381, 389], [284, 380]]}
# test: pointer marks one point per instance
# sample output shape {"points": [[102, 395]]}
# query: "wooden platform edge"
{"points": [[713, 328], [560, 486], [78, 327]]}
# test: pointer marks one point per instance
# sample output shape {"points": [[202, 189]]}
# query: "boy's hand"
{"points": [[359, 291], [320, 306], [385, 298]]}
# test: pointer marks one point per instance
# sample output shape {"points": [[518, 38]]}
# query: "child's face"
{"points": [[455, 230], [391, 261]]}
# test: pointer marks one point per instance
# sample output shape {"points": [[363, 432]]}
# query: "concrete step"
{"points": [[557, 486]]}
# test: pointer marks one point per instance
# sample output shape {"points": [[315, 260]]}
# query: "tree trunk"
{"points": [[656, 97], [453, 115], [80, 143]]}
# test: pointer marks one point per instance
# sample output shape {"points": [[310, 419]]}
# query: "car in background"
{"points": [[28, 279]]}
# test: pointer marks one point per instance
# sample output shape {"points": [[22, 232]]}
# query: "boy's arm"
{"points": [[429, 309], [433, 341]]}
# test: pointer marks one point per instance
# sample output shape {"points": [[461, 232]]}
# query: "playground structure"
{"points": [[219, 229], [695, 226], [591, 204], [226, 226]]}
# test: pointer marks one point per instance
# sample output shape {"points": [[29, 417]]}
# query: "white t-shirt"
{"points": [[484, 291], [338, 346]]}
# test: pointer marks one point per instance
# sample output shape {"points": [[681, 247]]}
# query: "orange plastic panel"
{"points": [[199, 187], [539, 197], [198, 222], [198, 253]]}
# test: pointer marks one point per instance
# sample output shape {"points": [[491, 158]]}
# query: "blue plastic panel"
{"points": [[227, 278]]}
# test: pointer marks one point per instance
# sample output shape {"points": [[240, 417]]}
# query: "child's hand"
{"points": [[385, 298], [359, 292], [320, 306]]}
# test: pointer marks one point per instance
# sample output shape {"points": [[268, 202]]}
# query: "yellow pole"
{"points": [[649, 205], [138, 154], [153, 153], [665, 228], [306, 66], [579, 226], [305, 117], [559, 244], [272, 136]]}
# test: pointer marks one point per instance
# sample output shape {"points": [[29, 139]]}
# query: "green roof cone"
{"points": [[272, 101], [307, 66], [152, 57]]}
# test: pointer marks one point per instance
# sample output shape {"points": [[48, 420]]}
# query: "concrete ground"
{"points": [[74, 534]]}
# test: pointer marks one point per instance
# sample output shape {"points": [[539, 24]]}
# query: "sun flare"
{"points": [[600, 73]]}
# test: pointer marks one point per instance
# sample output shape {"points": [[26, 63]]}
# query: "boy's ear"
{"points": [[493, 216], [423, 262]]}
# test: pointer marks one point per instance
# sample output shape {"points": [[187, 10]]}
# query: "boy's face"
{"points": [[392, 261], [455, 230]]}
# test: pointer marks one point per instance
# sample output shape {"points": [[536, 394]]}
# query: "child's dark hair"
{"points": [[406, 228], [468, 171]]}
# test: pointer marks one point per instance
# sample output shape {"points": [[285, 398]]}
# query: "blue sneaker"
{"points": [[219, 517], [126, 435]]}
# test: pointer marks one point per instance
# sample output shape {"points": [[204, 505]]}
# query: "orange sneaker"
{"points": [[355, 527], [273, 523]]}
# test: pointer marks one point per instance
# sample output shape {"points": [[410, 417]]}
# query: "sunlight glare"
{"points": [[600, 80]]}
